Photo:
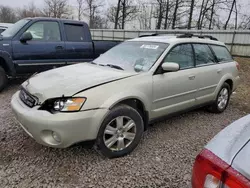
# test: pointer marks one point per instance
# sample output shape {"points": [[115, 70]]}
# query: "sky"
{"points": [[245, 4], [38, 3], [20, 3]]}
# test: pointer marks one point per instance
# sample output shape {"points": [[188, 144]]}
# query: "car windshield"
{"points": [[12, 30], [132, 56]]}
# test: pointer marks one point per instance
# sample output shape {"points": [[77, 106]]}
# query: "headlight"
{"points": [[68, 104], [65, 104]]}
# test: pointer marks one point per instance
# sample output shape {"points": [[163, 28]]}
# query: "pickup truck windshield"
{"points": [[12, 30], [133, 55]]}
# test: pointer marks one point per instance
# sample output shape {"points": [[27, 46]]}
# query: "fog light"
{"points": [[56, 136]]}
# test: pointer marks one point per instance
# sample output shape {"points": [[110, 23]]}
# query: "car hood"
{"points": [[230, 140], [69, 80]]}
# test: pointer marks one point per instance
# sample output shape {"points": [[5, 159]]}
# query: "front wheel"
{"points": [[120, 132], [222, 99]]}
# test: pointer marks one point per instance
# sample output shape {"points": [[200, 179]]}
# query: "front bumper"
{"points": [[70, 128]]}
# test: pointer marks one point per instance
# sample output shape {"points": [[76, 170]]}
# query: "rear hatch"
{"points": [[241, 160], [231, 145]]}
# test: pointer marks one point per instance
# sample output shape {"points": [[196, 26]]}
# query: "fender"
{"points": [[222, 81], [115, 99], [8, 63]]}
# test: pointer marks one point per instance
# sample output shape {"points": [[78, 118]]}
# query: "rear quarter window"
{"points": [[221, 53], [74, 33]]}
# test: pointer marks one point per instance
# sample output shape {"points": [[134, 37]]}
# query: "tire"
{"points": [[217, 106], [109, 131], [3, 79]]}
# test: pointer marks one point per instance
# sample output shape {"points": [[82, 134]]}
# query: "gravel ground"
{"points": [[164, 157]]}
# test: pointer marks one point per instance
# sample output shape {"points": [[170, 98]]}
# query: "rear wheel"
{"points": [[120, 132], [3, 79], [222, 99]]}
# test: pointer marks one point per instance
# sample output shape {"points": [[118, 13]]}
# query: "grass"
{"points": [[241, 99]]}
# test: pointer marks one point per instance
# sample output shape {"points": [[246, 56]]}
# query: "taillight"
{"points": [[210, 171], [234, 179], [237, 65], [207, 165]]}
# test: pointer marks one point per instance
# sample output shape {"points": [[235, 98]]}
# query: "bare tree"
{"points": [[56, 8], [79, 8], [200, 14], [175, 13], [127, 12], [166, 15], [117, 11], [145, 14], [28, 11], [160, 13], [93, 10], [100, 22], [212, 14], [7, 14], [229, 15], [236, 16], [203, 14], [191, 14]]}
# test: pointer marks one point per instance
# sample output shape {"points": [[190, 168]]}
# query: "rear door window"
{"points": [[221, 53], [203, 55], [74, 33]]}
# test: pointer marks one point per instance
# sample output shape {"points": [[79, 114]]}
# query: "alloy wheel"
{"points": [[119, 133], [223, 98]]}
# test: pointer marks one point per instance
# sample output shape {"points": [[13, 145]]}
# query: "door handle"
{"points": [[59, 47], [219, 71], [192, 77]]}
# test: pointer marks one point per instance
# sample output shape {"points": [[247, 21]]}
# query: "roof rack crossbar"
{"points": [[148, 35], [190, 35]]}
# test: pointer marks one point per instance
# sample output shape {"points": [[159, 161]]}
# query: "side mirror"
{"points": [[26, 36], [170, 67]]}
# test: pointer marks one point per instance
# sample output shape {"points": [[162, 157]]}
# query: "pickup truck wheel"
{"points": [[3, 79], [222, 99], [120, 132]]}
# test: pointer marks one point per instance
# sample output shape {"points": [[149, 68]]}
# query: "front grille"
{"points": [[27, 98]]}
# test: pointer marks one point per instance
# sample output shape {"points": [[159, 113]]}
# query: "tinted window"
{"points": [[48, 31], [203, 54], [181, 54], [74, 33], [221, 53]]}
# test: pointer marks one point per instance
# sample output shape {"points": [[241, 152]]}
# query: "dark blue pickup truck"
{"points": [[38, 44]]}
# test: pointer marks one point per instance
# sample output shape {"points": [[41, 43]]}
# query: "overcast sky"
{"points": [[245, 4], [21, 3]]}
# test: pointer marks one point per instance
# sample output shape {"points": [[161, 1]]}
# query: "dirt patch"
{"points": [[241, 98]]}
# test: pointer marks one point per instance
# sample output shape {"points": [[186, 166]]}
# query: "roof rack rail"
{"points": [[190, 35], [148, 35]]}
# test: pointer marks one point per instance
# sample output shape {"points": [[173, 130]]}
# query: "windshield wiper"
{"points": [[114, 66]]}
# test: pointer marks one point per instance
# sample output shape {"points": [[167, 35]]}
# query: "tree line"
{"points": [[146, 14]]}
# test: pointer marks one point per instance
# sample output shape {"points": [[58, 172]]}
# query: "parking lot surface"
{"points": [[164, 157]]}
